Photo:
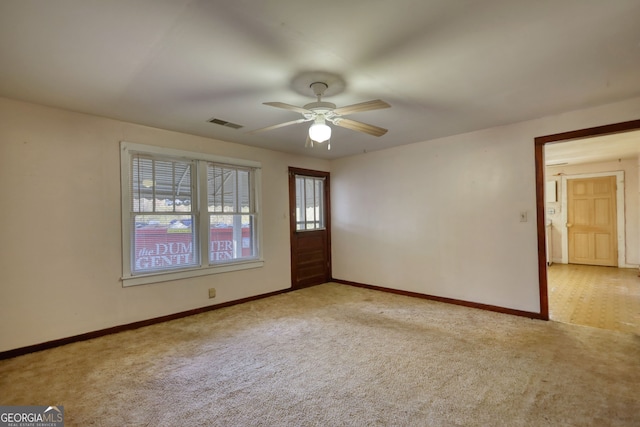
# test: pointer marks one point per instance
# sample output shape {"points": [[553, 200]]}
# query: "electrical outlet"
{"points": [[212, 292], [523, 216]]}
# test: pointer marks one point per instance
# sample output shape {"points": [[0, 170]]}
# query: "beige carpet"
{"points": [[335, 355]]}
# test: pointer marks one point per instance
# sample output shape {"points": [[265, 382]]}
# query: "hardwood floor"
{"points": [[601, 297]]}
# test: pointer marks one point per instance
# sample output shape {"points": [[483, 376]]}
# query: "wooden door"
{"points": [[310, 227], [591, 221]]}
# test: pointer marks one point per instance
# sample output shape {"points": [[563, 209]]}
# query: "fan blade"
{"points": [[293, 122], [288, 107], [360, 127], [363, 106]]}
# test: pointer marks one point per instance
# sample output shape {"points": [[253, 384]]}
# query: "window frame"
{"points": [[204, 267]]}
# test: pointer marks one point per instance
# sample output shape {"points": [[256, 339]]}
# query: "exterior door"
{"points": [[591, 221], [310, 227]]}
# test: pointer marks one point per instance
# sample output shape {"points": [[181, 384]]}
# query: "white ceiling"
{"points": [[445, 66], [620, 146]]}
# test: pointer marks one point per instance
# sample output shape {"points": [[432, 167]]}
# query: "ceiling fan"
{"points": [[320, 113]]}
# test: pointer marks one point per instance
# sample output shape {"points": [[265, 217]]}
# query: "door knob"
{"points": [[569, 225]]}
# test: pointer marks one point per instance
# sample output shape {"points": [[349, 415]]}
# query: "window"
{"points": [[187, 214], [232, 213], [163, 215], [309, 203]]}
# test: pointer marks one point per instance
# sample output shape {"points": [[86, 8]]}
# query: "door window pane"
{"points": [[309, 203]]}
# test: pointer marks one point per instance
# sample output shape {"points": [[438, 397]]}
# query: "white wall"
{"points": [[60, 251], [631, 203], [442, 217], [438, 217]]}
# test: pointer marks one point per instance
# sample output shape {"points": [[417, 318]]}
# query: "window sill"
{"points": [[144, 279]]}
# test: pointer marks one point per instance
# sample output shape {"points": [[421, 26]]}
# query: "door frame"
{"points": [[539, 143], [293, 171], [620, 223]]}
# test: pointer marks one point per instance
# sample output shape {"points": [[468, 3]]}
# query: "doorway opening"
{"points": [[579, 162]]}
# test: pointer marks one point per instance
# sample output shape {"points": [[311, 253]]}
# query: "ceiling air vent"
{"points": [[225, 123]]}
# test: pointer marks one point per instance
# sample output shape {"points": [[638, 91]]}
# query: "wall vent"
{"points": [[225, 123]]}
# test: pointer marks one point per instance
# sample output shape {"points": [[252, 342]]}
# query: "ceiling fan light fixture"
{"points": [[319, 131], [321, 112]]}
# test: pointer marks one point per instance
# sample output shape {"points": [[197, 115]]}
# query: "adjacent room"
{"points": [[321, 213], [593, 282]]}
